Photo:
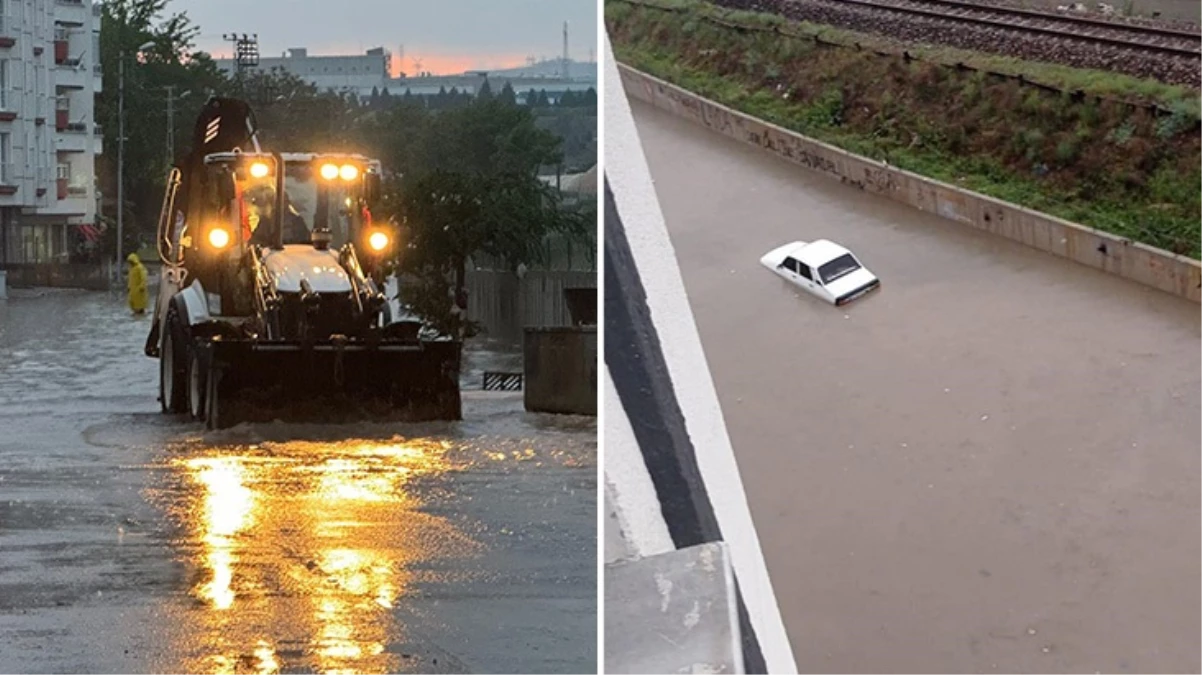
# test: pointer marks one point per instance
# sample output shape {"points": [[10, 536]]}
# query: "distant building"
{"points": [[361, 74], [329, 73], [49, 77], [575, 188]]}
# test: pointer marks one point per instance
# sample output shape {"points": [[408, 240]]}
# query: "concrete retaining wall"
{"points": [[1144, 264], [561, 370], [62, 275]]}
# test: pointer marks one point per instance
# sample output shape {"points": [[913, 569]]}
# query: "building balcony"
{"points": [[75, 138], [72, 75], [71, 11], [8, 179], [8, 31]]}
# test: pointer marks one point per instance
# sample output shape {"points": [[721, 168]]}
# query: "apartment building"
{"points": [[49, 77]]}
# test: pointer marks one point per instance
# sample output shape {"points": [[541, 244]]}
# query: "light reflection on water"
{"points": [[302, 548]]}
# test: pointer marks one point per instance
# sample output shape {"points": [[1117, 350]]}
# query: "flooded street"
{"points": [[989, 465], [134, 542]]}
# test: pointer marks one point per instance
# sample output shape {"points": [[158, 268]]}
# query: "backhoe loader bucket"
{"points": [[330, 381]]}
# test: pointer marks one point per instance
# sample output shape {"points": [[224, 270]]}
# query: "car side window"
{"points": [[804, 271], [790, 264]]}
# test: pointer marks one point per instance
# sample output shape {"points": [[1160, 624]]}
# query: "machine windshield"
{"points": [[841, 266], [309, 200]]}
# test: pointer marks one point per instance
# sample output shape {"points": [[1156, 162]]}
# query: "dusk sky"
{"points": [[449, 36]]}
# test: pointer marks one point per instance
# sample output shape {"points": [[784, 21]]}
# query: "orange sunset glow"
{"points": [[453, 64], [433, 62]]}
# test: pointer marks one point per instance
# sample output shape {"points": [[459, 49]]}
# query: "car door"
{"points": [[807, 279], [789, 269]]}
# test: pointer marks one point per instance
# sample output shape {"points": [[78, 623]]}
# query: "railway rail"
{"points": [[1168, 54], [1153, 39]]}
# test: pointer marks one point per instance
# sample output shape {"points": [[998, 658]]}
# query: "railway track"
{"points": [[1168, 41], [1167, 54]]}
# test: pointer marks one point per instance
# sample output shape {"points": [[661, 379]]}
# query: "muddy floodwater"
{"points": [[990, 465], [133, 542]]}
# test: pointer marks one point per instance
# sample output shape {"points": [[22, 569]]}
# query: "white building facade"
{"points": [[49, 77], [328, 73]]}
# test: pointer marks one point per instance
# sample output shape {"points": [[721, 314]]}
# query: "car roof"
{"points": [[818, 252]]}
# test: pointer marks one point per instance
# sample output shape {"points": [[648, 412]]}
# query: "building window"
{"points": [[6, 153], [4, 85]]}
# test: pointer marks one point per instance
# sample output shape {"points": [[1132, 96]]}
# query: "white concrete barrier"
{"points": [[1176, 274], [671, 478]]}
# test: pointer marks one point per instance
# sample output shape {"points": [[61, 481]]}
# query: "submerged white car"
{"points": [[823, 268]]}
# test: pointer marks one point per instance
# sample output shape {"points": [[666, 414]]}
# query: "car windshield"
{"points": [[839, 267]]}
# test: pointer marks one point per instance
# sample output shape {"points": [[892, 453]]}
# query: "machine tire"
{"points": [[172, 367], [198, 383]]}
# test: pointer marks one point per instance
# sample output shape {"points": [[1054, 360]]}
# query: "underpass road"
{"points": [[990, 465], [134, 542]]}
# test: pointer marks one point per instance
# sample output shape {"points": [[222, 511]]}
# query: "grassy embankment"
{"points": [[1096, 162]]}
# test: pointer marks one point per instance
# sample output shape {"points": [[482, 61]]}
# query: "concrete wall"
{"points": [[1153, 267], [504, 304], [90, 277], [561, 370]]}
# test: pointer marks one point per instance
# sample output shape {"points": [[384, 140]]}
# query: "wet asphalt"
{"points": [[135, 542]]}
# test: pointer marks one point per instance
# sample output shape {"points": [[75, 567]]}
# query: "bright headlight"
{"points": [[378, 241], [219, 237], [259, 170], [329, 171], [349, 172]]}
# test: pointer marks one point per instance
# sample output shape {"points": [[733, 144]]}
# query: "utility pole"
{"points": [[121, 150], [120, 159], [171, 99], [170, 124]]}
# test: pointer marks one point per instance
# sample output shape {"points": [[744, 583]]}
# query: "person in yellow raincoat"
{"points": [[139, 296]]}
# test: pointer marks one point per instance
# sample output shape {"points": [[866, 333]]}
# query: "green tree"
{"points": [[473, 189], [125, 25], [507, 95]]}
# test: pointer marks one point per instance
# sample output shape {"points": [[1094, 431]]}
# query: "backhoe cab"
{"points": [[267, 309]]}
